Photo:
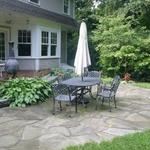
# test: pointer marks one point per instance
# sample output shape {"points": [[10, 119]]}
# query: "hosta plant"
{"points": [[25, 91]]}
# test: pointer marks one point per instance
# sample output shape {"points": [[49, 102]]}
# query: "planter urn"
{"points": [[11, 65]]}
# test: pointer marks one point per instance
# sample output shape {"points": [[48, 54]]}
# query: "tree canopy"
{"points": [[119, 35]]}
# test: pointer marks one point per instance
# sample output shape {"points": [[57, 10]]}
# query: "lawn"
{"points": [[137, 141], [142, 84], [107, 80]]}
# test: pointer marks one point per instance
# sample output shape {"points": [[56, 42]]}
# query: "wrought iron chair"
{"points": [[62, 93], [92, 74], [108, 92], [63, 77]]}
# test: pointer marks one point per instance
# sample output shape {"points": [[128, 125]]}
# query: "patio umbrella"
{"points": [[82, 58]]}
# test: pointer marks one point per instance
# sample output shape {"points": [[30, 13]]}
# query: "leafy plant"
{"points": [[61, 72], [120, 46], [25, 91]]}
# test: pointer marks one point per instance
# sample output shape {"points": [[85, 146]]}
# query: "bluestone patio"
{"points": [[35, 128]]}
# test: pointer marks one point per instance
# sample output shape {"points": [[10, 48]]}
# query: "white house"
{"points": [[39, 31]]}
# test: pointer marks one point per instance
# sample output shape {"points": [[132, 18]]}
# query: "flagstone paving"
{"points": [[35, 128]]}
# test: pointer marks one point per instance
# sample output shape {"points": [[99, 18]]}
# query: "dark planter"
{"points": [[11, 65], [4, 103]]}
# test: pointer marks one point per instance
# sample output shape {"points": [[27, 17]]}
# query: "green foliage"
{"points": [[142, 84], [138, 13], [122, 46], [25, 91], [135, 141], [61, 72], [108, 7], [120, 42]]}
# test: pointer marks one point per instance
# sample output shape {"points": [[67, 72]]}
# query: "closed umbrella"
{"points": [[82, 58]]}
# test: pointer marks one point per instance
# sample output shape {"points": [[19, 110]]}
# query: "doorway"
{"points": [[2, 45]]}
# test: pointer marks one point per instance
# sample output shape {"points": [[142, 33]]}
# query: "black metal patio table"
{"points": [[78, 82]]}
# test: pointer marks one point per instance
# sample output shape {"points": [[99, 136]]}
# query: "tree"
{"points": [[120, 46]]}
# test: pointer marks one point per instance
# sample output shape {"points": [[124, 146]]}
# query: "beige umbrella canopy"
{"points": [[82, 58]]}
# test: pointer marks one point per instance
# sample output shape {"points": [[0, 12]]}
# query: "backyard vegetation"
{"points": [[137, 141], [25, 91], [119, 36]]}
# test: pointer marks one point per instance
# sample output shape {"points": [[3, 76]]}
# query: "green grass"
{"points": [[142, 84], [106, 80], [137, 141]]}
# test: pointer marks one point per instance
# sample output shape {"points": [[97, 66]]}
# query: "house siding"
{"points": [[55, 6], [13, 19], [48, 63], [27, 64]]}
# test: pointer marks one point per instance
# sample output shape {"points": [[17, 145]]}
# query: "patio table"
{"points": [[77, 82]]}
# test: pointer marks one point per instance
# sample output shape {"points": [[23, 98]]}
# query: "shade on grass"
{"points": [[137, 141]]}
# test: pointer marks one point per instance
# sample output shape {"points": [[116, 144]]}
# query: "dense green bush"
{"points": [[25, 91], [121, 48]]}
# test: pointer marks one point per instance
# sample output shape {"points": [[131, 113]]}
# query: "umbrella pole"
{"points": [[82, 77]]}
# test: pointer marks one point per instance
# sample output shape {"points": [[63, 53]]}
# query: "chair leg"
{"points": [[102, 101], [60, 106], [53, 107], [76, 103], [109, 104], [70, 109], [97, 99], [115, 101]]}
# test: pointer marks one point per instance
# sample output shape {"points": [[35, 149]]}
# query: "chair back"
{"points": [[59, 89], [115, 83], [94, 74], [64, 77]]}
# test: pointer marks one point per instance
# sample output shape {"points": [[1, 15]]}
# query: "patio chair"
{"points": [[62, 93], [63, 77], [92, 74], [107, 93]]}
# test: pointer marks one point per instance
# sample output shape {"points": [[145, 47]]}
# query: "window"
{"points": [[53, 44], [34, 1], [44, 41], [49, 43], [24, 43], [66, 6]]}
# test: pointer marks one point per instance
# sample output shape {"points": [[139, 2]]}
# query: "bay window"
{"points": [[24, 43], [44, 41], [49, 44], [53, 44]]}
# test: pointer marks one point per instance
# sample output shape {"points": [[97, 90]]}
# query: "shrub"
{"points": [[61, 72], [25, 91]]}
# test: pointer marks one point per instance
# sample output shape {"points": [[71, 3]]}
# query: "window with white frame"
{"points": [[49, 43], [24, 43], [34, 1], [45, 43], [66, 6], [53, 44]]}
